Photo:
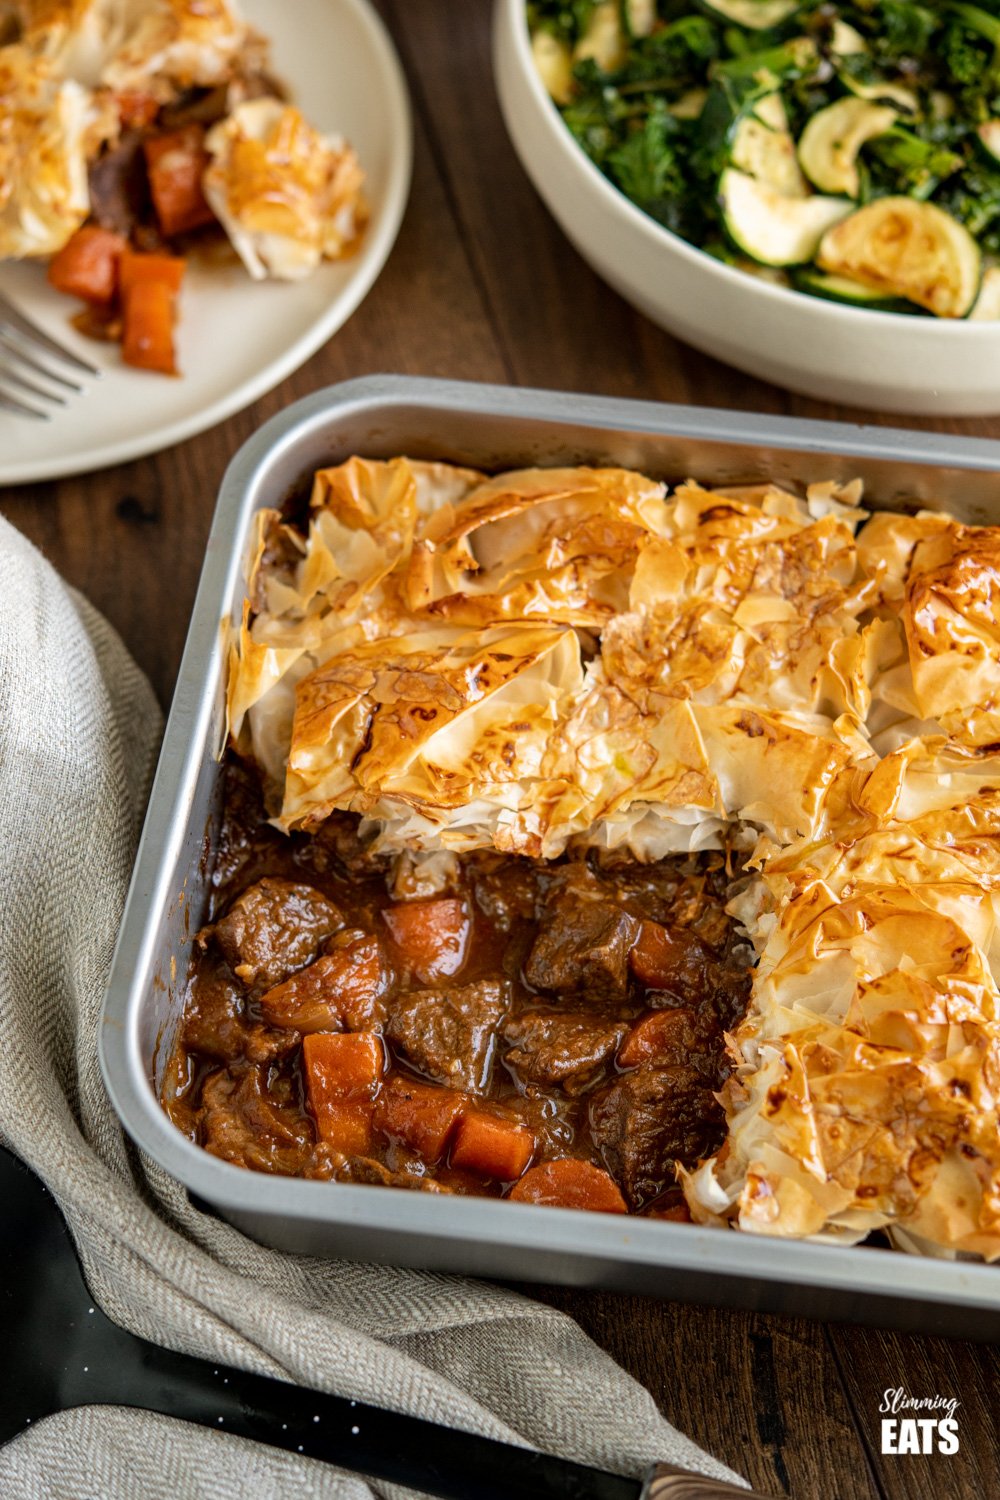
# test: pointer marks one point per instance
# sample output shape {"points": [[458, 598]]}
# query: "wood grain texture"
{"points": [[762, 1392], [872, 1361], [482, 285]]}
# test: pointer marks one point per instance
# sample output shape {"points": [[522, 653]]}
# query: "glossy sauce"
{"points": [[518, 1014]]}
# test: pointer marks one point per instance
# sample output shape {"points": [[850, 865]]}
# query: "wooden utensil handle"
{"points": [[666, 1482]]}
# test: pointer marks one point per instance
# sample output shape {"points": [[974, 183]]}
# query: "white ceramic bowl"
{"points": [[882, 361]]}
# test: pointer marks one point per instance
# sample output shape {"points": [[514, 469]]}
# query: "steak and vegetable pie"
{"points": [[135, 132], [595, 844]]}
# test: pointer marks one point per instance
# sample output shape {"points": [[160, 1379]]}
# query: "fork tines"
{"points": [[25, 347]]}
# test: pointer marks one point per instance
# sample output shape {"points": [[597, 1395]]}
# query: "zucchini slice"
{"points": [[640, 16], [752, 15], [909, 249], [689, 106], [770, 110], [846, 41], [900, 97], [763, 148], [850, 293], [604, 39], [770, 227], [987, 307], [829, 145], [554, 65], [989, 140]]}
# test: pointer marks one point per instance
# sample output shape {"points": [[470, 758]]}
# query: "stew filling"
{"points": [[484, 1023]]}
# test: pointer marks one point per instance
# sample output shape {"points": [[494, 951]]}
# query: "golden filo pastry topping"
{"points": [[947, 590], [83, 75], [717, 673], [560, 658], [49, 127], [866, 1093], [286, 195], [156, 47]]}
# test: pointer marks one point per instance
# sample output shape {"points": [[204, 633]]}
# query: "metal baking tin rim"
{"points": [[596, 1238]]}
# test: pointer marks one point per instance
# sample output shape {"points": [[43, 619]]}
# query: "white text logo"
{"points": [[934, 1430]]}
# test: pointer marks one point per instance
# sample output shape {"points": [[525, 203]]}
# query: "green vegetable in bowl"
{"points": [[767, 132], [771, 227], [833, 138], [908, 248]]}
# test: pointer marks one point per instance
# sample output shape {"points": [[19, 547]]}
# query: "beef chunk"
{"points": [[255, 1121], [367, 1169], [582, 948], [649, 890], [336, 845], [216, 1024], [644, 1121], [201, 106], [343, 990], [561, 1047], [119, 187], [274, 928], [450, 1034], [677, 893], [506, 889]]}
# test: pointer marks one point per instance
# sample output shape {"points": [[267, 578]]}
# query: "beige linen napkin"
{"points": [[78, 735]]}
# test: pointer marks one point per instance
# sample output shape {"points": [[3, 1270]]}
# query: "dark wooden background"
{"points": [[483, 286]]}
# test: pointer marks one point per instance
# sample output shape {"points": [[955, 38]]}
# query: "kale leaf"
{"points": [[902, 32], [661, 124], [680, 51], [645, 166], [566, 19]]}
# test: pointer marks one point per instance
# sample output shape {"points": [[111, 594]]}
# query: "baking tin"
{"points": [[495, 427]]}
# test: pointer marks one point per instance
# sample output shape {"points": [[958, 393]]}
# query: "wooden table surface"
{"points": [[483, 286]]}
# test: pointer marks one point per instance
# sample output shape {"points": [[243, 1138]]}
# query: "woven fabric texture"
{"points": [[79, 729]]}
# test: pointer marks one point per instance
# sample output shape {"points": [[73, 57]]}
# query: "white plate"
{"points": [[237, 338]]}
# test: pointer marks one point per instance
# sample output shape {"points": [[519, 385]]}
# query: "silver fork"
{"points": [[24, 347]]}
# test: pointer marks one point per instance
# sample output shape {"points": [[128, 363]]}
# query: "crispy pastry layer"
{"points": [[867, 1088], [650, 674], [574, 656], [286, 196]]}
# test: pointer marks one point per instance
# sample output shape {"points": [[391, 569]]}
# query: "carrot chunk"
{"points": [[343, 1072], [420, 1115], [176, 164], [569, 1183], [87, 265], [666, 1037], [491, 1146], [136, 267], [432, 936], [148, 330], [660, 958]]}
